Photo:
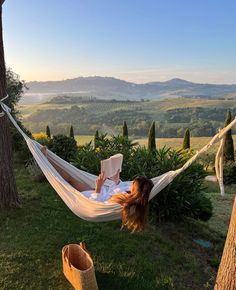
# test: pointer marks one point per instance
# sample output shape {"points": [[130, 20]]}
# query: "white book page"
{"points": [[111, 165]]}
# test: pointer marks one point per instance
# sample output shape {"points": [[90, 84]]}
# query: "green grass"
{"points": [[163, 257], [222, 211]]}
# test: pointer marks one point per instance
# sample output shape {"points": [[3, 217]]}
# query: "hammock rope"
{"points": [[95, 211]]}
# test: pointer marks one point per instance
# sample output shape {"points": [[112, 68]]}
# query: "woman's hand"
{"points": [[116, 178], [99, 182]]}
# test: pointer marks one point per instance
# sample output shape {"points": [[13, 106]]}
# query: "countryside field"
{"points": [[162, 105], [176, 143], [172, 116]]}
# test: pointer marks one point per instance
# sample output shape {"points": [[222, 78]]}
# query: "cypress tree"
{"points": [[186, 142], [229, 143], [96, 137], [152, 138], [72, 135], [125, 130], [48, 132]]}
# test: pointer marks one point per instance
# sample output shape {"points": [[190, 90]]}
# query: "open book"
{"points": [[111, 165]]}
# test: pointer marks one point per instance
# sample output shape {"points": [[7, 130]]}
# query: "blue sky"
{"points": [[135, 40]]}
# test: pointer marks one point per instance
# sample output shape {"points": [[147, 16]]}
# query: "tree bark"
{"points": [[226, 276], [8, 192]]}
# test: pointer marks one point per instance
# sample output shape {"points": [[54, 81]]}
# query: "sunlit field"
{"points": [[83, 139], [176, 143]]}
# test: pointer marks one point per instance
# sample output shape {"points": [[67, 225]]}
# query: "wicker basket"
{"points": [[78, 267]]}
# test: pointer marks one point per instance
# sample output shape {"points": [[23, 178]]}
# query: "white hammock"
{"points": [[91, 210]]}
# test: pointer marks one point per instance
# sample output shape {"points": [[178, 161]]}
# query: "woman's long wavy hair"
{"points": [[135, 208]]}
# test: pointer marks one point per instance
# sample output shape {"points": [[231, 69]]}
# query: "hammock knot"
{"points": [[4, 98]]}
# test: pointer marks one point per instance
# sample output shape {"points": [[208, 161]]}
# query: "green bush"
{"points": [[63, 146], [19, 145], [207, 160], [88, 157], [230, 172], [34, 170], [183, 197], [42, 138]]}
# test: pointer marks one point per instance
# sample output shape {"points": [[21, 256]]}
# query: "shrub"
{"points": [[15, 90], [183, 197], [63, 146], [230, 173], [35, 171], [18, 143], [88, 157], [207, 160], [42, 138]]}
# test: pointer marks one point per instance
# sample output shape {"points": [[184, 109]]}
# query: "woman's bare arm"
{"points": [[99, 182], [70, 179]]}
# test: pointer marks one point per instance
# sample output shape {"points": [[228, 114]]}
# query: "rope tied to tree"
{"points": [[2, 114], [3, 99]]}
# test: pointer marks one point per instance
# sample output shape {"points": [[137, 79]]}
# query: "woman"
{"points": [[116, 185], [134, 202]]}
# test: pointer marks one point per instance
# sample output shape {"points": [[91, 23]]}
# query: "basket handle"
{"points": [[83, 247], [66, 255]]}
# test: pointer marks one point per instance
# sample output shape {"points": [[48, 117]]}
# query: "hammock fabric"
{"points": [[91, 210]]}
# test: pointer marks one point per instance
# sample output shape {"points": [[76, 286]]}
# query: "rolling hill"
{"points": [[172, 116], [108, 88]]}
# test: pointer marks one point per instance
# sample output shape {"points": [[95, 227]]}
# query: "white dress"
{"points": [[108, 191]]}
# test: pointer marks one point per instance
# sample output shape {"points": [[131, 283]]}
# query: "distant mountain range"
{"points": [[108, 87]]}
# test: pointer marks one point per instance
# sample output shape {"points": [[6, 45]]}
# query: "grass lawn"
{"points": [[163, 257]]}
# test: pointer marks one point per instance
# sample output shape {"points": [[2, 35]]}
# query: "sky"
{"points": [[135, 40]]}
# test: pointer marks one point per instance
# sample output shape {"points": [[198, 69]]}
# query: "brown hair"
{"points": [[135, 207]]}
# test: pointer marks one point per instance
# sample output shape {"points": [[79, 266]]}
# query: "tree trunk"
{"points": [[8, 192], [226, 276]]}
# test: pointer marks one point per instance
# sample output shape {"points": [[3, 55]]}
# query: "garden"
{"points": [[180, 248]]}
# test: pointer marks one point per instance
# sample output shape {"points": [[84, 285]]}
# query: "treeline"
{"points": [[88, 99], [109, 118], [190, 115]]}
